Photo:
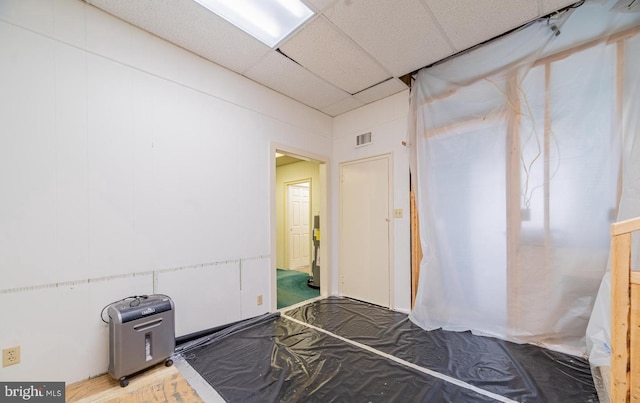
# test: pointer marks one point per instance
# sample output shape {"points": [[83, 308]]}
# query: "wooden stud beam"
{"points": [[619, 122], [514, 279], [620, 36], [634, 347], [625, 227], [620, 307], [416, 247]]}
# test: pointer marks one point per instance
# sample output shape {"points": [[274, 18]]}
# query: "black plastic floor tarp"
{"points": [[280, 360]]}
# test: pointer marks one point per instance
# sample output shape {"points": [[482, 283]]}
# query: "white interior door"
{"points": [[299, 239], [364, 230]]}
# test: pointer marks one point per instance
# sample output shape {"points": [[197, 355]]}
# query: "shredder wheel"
{"points": [[169, 362], [124, 381]]}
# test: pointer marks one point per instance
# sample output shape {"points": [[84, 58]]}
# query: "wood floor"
{"points": [[159, 384]]}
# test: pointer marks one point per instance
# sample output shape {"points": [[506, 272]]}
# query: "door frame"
{"points": [[325, 253], [390, 228], [286, 217]]}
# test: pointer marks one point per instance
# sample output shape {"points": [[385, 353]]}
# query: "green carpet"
{"points": [[293, 288]]}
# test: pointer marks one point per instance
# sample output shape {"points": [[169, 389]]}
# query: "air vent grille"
{"points": [[363, 139]]}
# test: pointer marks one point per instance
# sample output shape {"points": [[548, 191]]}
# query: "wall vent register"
{"points": [[363, 139]]}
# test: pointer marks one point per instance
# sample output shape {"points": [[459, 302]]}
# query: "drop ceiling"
{"points": [[350, 53]]}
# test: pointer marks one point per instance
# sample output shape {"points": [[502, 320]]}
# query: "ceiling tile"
{"points": [[189, 25], [402, 35], [549, 6], [330, 54], [319, 4], [352, 47], [343, 106], [469, 22], [382, 90], [278, 72]]}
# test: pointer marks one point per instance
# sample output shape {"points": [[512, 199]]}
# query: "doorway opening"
{"points": [[298, 208], [298, 225]]}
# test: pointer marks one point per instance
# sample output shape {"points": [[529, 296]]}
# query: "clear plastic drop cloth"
{"points": [[524, 151], [599, 328]]}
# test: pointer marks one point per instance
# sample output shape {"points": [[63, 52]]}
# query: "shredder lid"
{"points": [[133, 309]]}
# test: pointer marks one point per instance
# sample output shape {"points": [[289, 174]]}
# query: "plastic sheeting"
{"points": [[521, 372], [516, 156], [279, 360], [599, 328], [274, 359]]}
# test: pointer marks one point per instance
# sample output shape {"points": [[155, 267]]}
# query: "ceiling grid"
{"points": [[350, 53]]}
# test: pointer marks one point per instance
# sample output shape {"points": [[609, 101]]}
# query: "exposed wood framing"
{"points": [[619, 123], [548, 132], [625, 227], [463, 123], [624, 379], [416, 247], [634, 338], [625, 316], [620, 251], [513, 204], [620, 36]]}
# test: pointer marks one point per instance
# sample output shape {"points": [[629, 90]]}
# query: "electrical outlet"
{"points": [[260, 299], [11, 356], [397, 213]]}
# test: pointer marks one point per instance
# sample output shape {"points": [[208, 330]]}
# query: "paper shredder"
{"points": [[141, 334]]}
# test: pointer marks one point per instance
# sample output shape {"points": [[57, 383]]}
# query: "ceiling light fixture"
{"points": [[269, 21]]}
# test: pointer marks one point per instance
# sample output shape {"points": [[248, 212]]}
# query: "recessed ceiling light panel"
{"points": [[269, 21]]}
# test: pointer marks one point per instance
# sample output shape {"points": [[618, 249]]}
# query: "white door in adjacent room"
{"points": [[298, 225], [364, 230]]}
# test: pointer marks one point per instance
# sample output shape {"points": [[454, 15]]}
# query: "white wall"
{"points": [[127, 166], [387, 121]]}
